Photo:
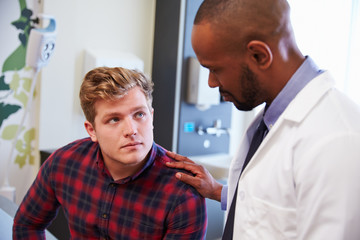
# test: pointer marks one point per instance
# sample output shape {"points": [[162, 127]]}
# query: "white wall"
{"points": [[326, 30], [119, 25]]}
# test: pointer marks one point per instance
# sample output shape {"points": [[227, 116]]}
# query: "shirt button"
{"points": [[105, 216]]}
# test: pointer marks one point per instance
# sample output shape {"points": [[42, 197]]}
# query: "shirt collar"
{"points": [[149, 162], [304, 74], [151, 158]]}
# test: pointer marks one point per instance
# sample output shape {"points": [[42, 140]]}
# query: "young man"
{"points": [[302, 181], [113, 185]]}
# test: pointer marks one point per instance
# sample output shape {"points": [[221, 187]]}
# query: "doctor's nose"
{"points": [[213, 81]]}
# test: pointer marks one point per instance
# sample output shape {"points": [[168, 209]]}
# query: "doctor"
{"points": [[303, 180]]}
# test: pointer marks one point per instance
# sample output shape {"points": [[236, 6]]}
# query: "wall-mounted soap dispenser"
{"points": [[198, 91]]}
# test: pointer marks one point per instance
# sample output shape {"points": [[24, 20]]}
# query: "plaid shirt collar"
{"points": [[150, 160]]}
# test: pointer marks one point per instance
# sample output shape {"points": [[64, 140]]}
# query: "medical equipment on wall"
{"points": [[198, 91], [40, 47], [41, 44], [111, 58]]}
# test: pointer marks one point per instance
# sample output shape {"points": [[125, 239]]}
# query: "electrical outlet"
{"points": [[41, 44]]}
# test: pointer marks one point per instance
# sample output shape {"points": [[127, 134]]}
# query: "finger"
{"points": [[196, 170], [180, 165], [178, 157], [191, 180]]}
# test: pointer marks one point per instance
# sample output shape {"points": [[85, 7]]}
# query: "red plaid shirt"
{"points": [[152, 204]]}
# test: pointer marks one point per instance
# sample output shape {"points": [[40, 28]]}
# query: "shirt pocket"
{"points": [[264, 220]]}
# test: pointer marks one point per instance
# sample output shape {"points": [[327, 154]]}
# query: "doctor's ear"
{"points": [[260, 54]]}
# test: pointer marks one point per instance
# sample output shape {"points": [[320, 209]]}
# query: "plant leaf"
{"points": [[27, 83], [16, 60], [21, 160], [29, 136], [20, 146], [22, 97], [9, 132], [6, 110], [32, 160], [15, 82], [26, 13], [20, 24], [3, 85], [23, 38]]}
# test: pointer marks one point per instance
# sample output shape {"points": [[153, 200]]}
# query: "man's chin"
{"points": [[134, 158], [243, 107]]}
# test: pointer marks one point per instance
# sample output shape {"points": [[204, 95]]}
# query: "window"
{"points": [[329, 32]]}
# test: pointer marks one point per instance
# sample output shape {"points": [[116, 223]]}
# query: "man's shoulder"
{"points": [[76, 145], [75, 150], [161, 159], [167, 174]]}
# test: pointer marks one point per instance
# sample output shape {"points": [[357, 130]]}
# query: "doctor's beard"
{"points": [[250, 90]]}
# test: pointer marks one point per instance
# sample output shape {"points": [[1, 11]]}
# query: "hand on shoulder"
{"points": [[201, 179]]}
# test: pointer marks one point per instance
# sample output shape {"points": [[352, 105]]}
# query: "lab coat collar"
{"points": [[308, 98]]}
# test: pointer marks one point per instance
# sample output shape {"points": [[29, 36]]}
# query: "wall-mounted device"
{"points": [[41, 43], [109, 58], [198, 91], [215, 130]]}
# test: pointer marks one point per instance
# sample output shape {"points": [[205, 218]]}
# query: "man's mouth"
{"points": [[131, 144], [226, 96]]}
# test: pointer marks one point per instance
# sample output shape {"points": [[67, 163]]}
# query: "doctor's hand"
{"points": [[201, 179]]}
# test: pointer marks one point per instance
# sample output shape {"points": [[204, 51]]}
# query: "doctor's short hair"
{"points": [[111, 84]]}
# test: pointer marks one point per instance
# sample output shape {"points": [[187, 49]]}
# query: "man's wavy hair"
{"points": [[111, 84]]}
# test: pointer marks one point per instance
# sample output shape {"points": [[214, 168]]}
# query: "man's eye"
{"points": [[140, 115], [113, 120]]}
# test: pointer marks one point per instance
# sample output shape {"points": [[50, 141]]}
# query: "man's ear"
{"points": [[260, 54], [90, 130], [152, 116]]}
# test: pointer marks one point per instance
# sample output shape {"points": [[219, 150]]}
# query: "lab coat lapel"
{"points": [[295, 112], [238, 160]]}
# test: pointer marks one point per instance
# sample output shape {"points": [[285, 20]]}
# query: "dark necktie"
{"points": [[255, 143]]}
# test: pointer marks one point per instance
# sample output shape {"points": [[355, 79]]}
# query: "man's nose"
{"points": [[129, 127]]}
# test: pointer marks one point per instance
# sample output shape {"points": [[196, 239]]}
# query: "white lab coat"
{"points": [[304, 180]]}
